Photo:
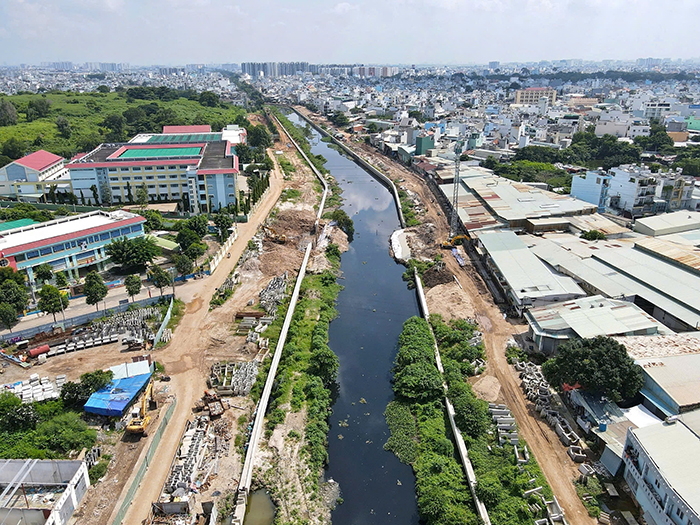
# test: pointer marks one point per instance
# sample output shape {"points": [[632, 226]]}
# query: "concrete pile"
{"points": [[233, 379], [273, 294], [505, 424], [189, 457], [37, 388]]}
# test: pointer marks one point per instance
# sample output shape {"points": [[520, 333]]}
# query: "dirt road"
{"points": [[184, 360], [551, 455]]}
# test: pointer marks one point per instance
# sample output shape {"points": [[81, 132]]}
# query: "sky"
{"points": [[175, 32]]}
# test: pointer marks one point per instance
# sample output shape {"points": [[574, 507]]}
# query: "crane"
{"points": [[454, 219], [140, 419]]}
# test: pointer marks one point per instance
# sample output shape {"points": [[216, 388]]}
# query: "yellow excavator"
{"points": [[452, 242], [274, 236], [140, 418]]}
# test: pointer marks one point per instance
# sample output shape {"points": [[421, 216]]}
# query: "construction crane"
{"points": [[454, 219], [140, 419]]}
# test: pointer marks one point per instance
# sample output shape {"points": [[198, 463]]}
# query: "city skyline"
{"points": [[449, 32]]}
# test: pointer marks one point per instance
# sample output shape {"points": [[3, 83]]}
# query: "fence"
{"points": [[144, 465], [218, 256], [28, 333], [164, 324]]}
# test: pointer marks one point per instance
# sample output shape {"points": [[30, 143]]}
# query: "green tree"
{"points": [[14, 148], [8, 113], [38, 108], [186, 238], [103, 89], [344, 222], [340, 120], [199, 224], [51, 300], [95, 195], [160, 278], [132, 253], [95, 289], [223, 221], [419, 381], [63, 126], [61, 280], [129, 195], [142, 195], [208, 98], [195, 251], [8, 315], [184, 265], [43, 272], [88, 141], [593, 235], [600, 365], [15, 294], [154, 219], [133, 285], [258, 136], [115, 124], [7, 273], [66, 432]]}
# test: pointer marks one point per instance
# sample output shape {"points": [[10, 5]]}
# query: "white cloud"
{"points": [[344, 8]]}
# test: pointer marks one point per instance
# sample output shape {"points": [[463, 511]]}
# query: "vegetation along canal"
{"points": [[375, 486]]}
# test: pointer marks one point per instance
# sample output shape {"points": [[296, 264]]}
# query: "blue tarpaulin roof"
{"points": [[113, 399]]}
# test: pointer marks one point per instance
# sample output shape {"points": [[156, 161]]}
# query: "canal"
{"points": [[375, 486]]}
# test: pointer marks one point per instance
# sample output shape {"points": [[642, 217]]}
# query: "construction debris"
{"points": [[233, 379], [273, 294]]}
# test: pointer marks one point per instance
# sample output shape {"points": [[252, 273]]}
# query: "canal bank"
{"points": [[375, 486]]}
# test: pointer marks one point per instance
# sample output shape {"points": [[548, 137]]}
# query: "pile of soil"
{"points": [[279, 258], [436, 275], [293, 223]]}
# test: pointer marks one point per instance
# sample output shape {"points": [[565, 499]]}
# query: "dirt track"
{"points": [[184, 360], [551, 455]]}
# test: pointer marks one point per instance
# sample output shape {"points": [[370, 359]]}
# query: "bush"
{"points": [[97, 471]]}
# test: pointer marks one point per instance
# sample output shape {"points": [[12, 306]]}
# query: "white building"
{"points": [[633, 190], [30, 177], [661, 466], [591, 187]]}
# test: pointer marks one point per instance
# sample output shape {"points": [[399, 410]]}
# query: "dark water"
{"points": [[261, 510], [376, 487]]}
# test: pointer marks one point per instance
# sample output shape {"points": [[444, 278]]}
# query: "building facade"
{"points": [[30, 178], [531, 96], [661, 463], [71, 244], [591, 187]]}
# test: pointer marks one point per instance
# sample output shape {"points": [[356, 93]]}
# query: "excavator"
{"points": [[140, 418], [454, 241], [274, 236]]}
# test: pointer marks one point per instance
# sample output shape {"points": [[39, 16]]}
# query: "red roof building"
{"points": [[39, 160]]}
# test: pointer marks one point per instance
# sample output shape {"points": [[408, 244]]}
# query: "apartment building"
{"points": [[592, 187], [187, 164], [532, 95], [633, 191], [661, 465]]}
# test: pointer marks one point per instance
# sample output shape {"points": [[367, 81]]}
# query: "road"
{"points": [[183, 359]]}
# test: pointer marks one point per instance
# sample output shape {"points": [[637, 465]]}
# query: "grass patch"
{"points": [[177, 314], [98, 470], [290, 194], [287, 167], [407, 208]]}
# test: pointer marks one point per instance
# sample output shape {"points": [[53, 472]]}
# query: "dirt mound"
{"points": [[318, 263], [422, 240], [436, 276], [294, 223], [450, 301], [279, 258]]}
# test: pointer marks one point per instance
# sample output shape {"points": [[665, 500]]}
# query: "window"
{"points": [[20, 257], [182, 167], [123, 169], [112, 169], [176, 185], [125, 178], [125, 231], [162, 177], [148, 168], [136, 228], [162, 185], [82, 241], [45, 251], [200, 177], [136, 168], [104, 236], [150, 177], [58, 248], [33, 254], [174, 176], [161, 168], [202, 187], [679, 513], [151, 186], [230, 185], [114, 179], [73, 244], [176, 195], [138, 177]]}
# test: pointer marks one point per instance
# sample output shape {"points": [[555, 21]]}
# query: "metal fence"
{"points": [[28, 333], [165, 322], [144, 465]]}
